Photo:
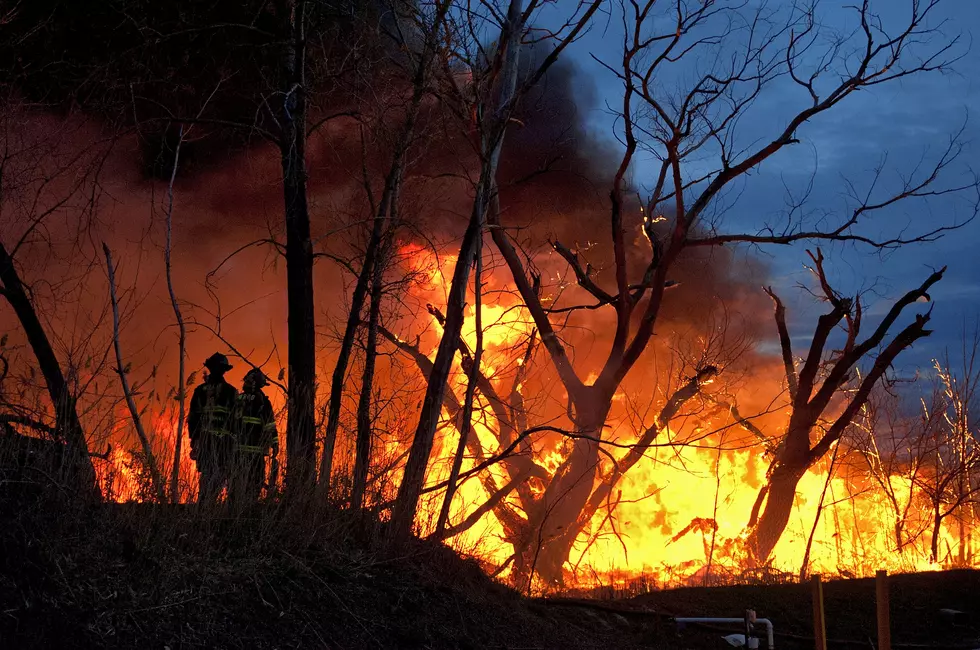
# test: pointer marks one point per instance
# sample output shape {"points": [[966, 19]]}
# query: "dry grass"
{"points": [[87, 575]]}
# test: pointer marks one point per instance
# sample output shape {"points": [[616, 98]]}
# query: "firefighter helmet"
{"points": [[217, 362], [257, 377]]}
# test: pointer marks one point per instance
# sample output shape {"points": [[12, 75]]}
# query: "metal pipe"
{"points": [[760, 621]]}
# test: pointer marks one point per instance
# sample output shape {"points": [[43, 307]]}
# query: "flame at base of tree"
{"points": [[124, 476], [681, 515], [680, 519]]}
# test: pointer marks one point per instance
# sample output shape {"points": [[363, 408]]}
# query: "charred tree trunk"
{"points": [[67, 425], [300, 435]]}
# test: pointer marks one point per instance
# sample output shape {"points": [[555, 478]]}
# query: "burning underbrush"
{"points": [[888, 496]]}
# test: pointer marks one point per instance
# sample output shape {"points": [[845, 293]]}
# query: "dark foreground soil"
{"points": [[177, 578]]}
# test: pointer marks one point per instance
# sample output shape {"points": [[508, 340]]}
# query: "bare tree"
{"points": [[421, 68], [472, 369], [496, 88], [292, 118], [40, 180], [292, 73], [365, 421], [890, 445], [122, 369], [518, 502], [950, 451], [181, 330], [813, 390], [744, 51]]}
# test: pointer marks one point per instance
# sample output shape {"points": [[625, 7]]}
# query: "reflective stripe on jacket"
{"points": [[255, 422], [211, 410], [252, 449]]}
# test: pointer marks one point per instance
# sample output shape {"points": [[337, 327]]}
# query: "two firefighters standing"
{"points": [[231, 433]]}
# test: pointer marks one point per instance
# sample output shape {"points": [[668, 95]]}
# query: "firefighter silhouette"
{"points": [[209, 427], [255, 435]]}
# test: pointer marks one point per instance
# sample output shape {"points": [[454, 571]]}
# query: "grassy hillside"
{"points": [[176, 577], [126, 576]]}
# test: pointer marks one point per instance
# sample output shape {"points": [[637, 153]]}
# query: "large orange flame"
{"points": [[680, 514]]}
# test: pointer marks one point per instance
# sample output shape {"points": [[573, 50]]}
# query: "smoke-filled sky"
{"points": [[906, 121], [224, 201]]}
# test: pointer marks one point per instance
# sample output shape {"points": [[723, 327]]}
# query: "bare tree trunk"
{"points": [[776, 512], [518, 466], [151, 462], [406, 505], [410, 490], [810, 398], [552, 526], [386, 207], [181, 332], [472, 379], [714, 517], [67, 425], [937, 524], [347, 346], [561, 515], [362, 456], [300, 434]]}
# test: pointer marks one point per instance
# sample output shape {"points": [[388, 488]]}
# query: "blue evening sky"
{"points": [[907, 121]]}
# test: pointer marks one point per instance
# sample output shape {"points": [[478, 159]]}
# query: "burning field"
{"points": [[679, 517], [564, 347]]}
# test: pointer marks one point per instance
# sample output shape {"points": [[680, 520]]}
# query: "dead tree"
{"points": [[159, 488], [950, 452], [747, 50], [495, 84], [365, 421], [181, 330], [383, 210], [520, 467], [292, 117], [39, 180], [67, 427], [889, 445], [515, 504], [815, 387], [472, 370]]}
